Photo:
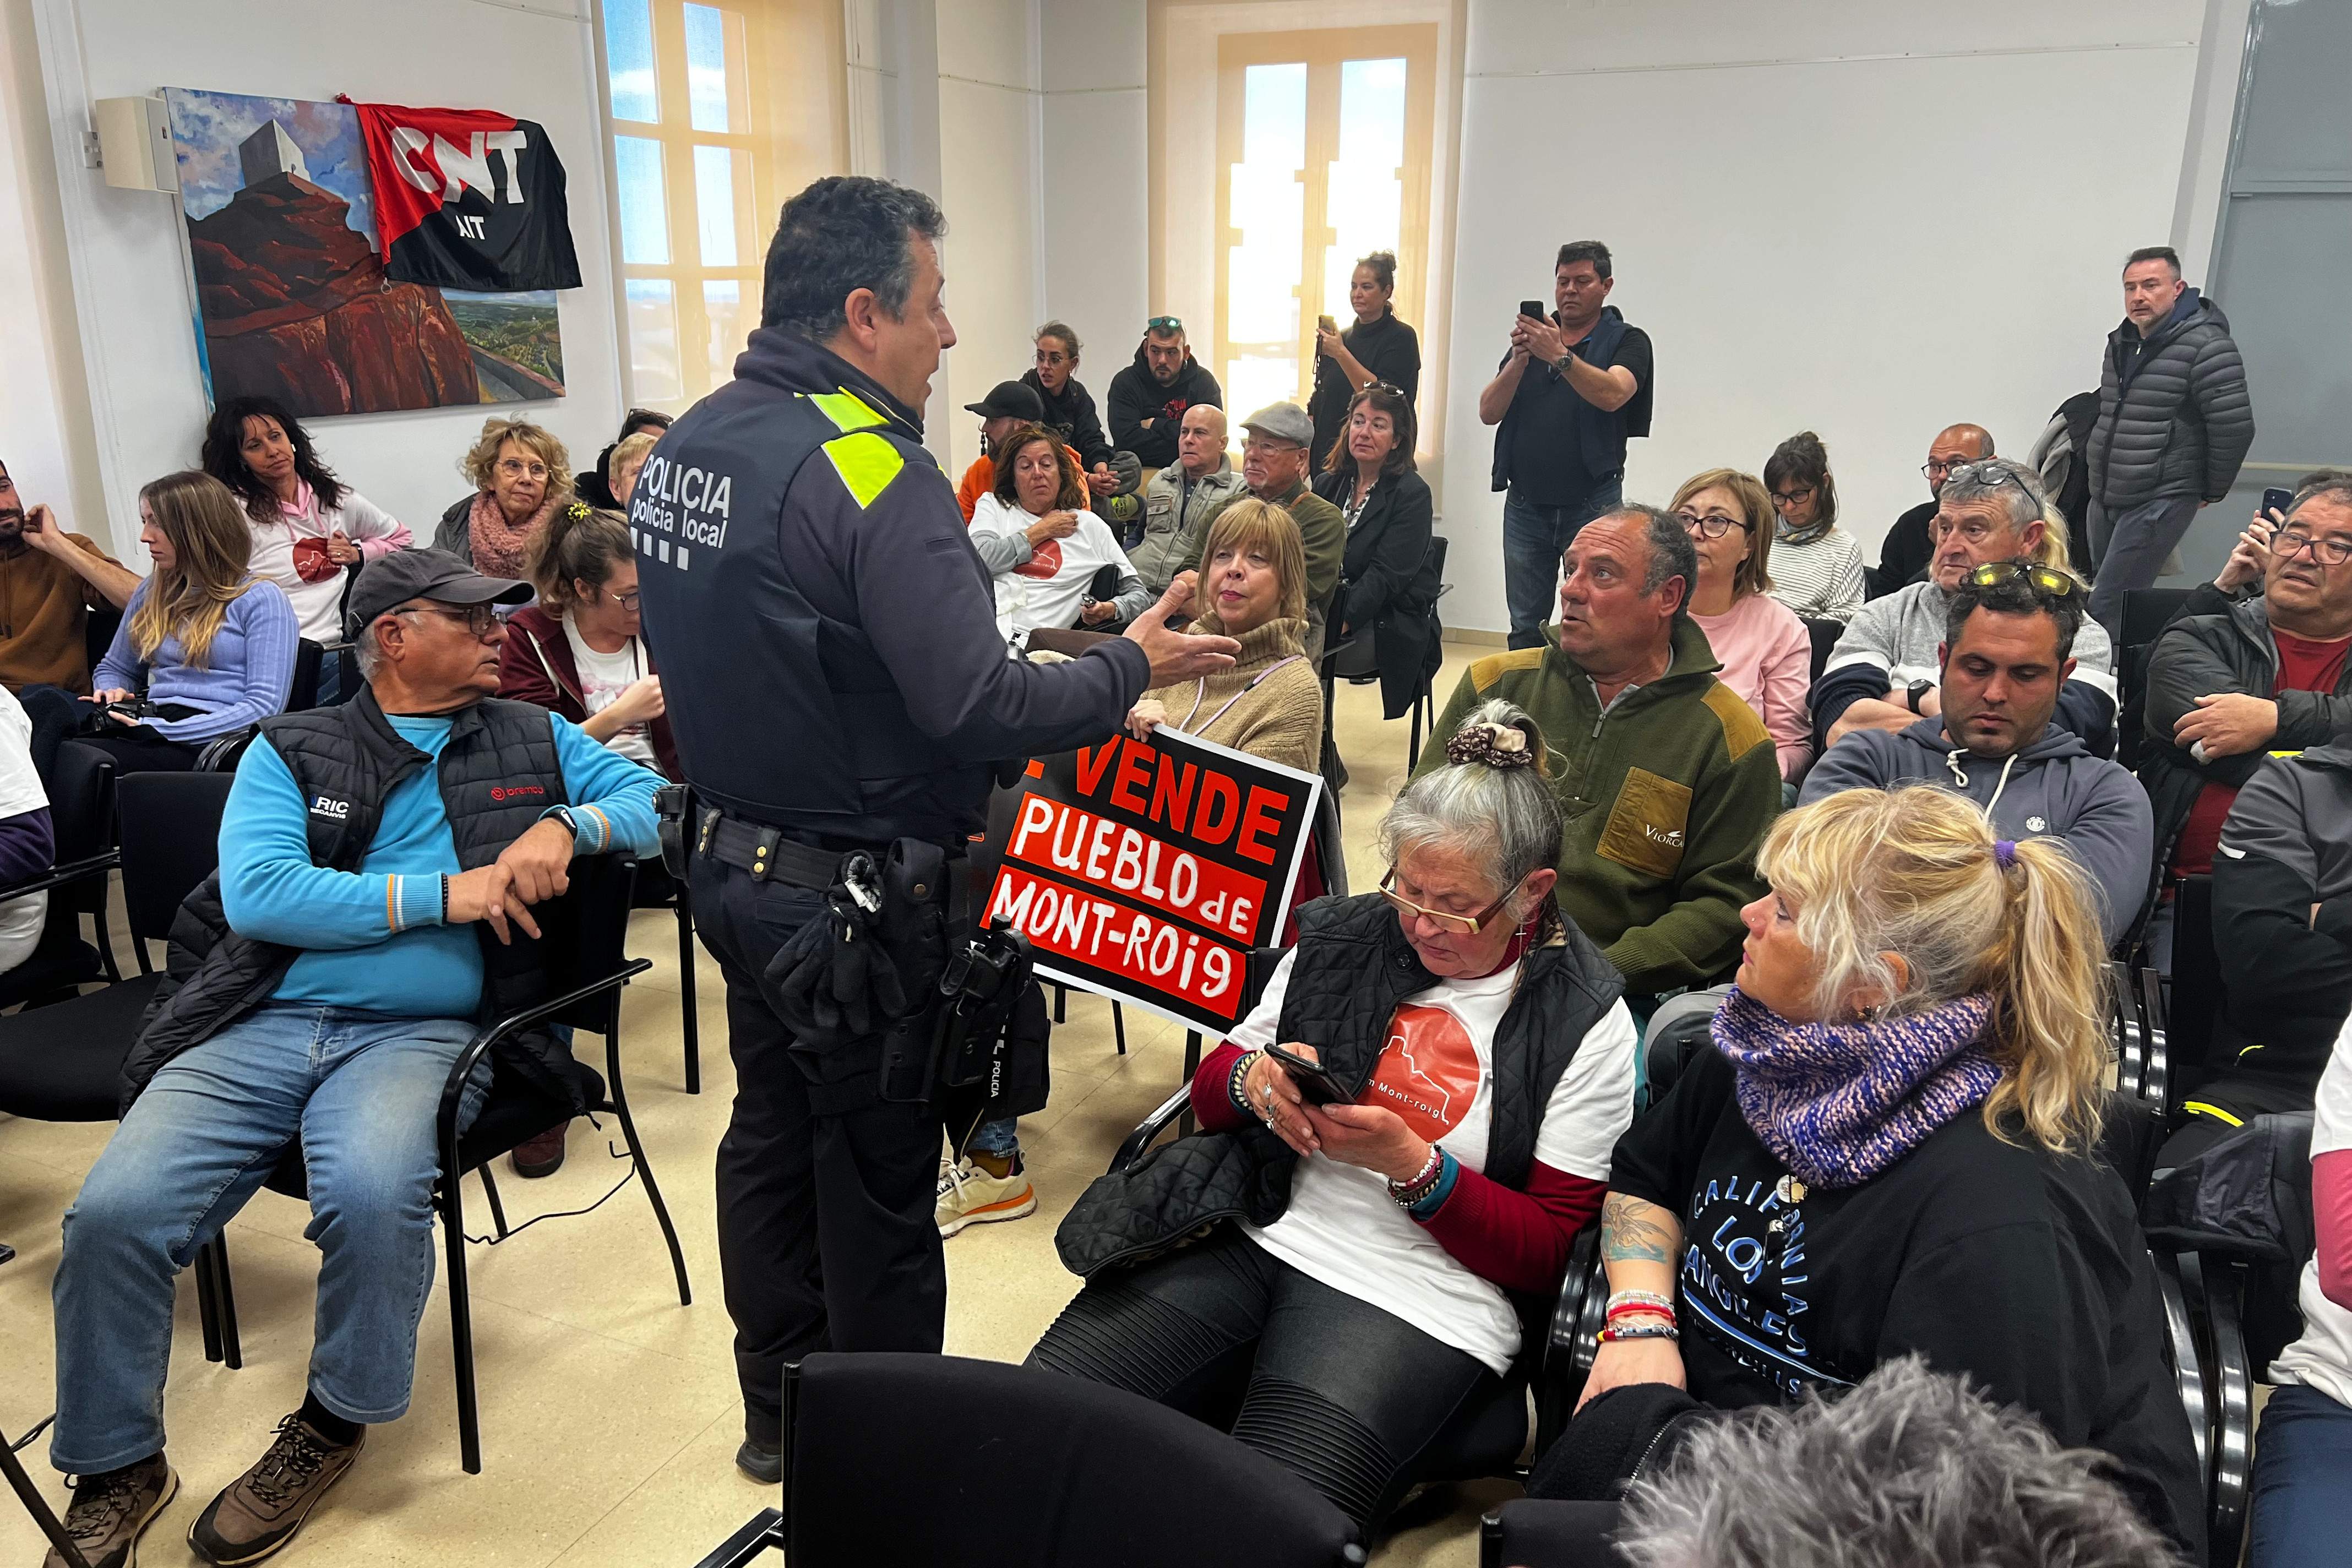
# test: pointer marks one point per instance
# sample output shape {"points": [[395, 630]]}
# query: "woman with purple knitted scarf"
{"points": [[1890, 1150]]}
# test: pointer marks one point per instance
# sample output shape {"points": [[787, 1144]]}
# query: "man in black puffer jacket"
{"points": [[2175, 423]]}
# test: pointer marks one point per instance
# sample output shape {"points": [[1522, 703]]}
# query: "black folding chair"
{"points": [[2146, 612], [1824, 632], [35, 1503], [1044, 1466], [1426, 699], [584, 932]]}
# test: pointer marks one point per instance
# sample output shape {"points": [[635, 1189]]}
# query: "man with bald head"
{"points": [[1903, 555], [1181, 496]]}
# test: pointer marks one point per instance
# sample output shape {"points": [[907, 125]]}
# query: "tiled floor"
{"points": [[609, 1414]]}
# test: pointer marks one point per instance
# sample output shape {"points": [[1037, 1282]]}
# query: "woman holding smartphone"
{"points": [[1375, 346], [1380, 1266]]}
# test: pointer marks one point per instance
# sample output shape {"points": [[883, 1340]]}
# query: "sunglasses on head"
{"points": [[2045, 580], [1164, 324]]}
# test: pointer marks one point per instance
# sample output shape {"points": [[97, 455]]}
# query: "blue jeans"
{"points": [[2301, 1507], [998, 1138], [1534, 538], [360, 1092]]}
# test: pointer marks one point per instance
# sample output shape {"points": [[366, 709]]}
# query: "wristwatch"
{"points": [[562, 813], [1916, 690], [1567, 355]]}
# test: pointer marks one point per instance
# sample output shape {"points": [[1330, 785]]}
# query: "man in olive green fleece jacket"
{"points": [[1667, 779], [1274, 468]]}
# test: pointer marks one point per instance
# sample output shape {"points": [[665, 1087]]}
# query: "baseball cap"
{"points": [[1283, 422], [1009, 400], [405, 575]]}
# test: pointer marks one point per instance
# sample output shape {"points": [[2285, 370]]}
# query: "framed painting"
{"points": [[290, 296]]}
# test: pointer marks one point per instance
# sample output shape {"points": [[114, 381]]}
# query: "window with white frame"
{"points": [[718, 113]]}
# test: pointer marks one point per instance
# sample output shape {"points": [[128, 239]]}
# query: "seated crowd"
{"points": [[1858, 921]]}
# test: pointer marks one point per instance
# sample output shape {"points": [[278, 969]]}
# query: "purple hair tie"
{"points": [[2004, 852]]}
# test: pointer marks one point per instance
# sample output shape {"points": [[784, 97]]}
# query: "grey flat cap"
{"points": [[1283, 422]]}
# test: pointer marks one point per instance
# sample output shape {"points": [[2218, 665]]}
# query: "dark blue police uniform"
{"points": [[834, 679]]}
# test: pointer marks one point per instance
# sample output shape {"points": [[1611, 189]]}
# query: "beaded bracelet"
{"points": [[1643, 1297], [1646, 1331], [1408, 1193], [1239, 1076]]}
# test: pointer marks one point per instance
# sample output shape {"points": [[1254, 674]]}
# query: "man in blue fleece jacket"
{"points": [[356, 868]]}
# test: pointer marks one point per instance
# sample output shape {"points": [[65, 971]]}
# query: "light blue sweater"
{"points": [[247, 673], [373, 938]]}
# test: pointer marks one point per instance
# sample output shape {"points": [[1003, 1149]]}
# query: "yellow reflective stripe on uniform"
{"points": [[867, 464], [2201, 1108], [847, 410]]}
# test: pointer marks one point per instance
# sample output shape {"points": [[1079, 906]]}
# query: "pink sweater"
{"points": [[1768, 658]]}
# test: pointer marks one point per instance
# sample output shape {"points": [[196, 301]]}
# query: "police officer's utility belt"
{"points": [[769, 854]]}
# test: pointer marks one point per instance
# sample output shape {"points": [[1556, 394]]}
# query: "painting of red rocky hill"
{"points": [[292, 299]]}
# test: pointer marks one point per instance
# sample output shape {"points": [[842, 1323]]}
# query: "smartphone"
{"points": [[2277, 501], [1327, 323], [1534, 308], [1316, 1084]]}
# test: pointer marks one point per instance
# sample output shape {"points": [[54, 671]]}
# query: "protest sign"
{"points": [[1145, 870]]}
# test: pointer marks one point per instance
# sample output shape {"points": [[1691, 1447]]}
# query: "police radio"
{"points": [[984, 977]]}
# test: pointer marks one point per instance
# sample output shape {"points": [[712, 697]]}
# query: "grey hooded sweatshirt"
{"points": [[2054, 788]]}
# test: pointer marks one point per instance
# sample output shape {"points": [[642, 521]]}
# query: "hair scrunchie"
{"points": [[1496, 745]]}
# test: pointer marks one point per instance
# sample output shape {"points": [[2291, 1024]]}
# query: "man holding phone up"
{"points": [[1573, 389]]}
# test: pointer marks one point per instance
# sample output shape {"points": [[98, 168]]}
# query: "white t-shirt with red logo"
{"points": [[1342, 1229], [1050, 588]]}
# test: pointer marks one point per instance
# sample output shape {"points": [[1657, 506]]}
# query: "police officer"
{"points": [[829, 653]]}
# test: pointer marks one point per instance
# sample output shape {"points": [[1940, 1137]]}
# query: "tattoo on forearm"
{"points": [[1628, 1235]]}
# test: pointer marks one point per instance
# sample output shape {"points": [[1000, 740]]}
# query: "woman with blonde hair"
{"points": [[521, 475], [1250, 586], [1891, 1149], [1765, 650], [206, 644]]}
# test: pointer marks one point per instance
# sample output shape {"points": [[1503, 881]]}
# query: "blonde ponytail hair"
{"points": [[1916, 872]]}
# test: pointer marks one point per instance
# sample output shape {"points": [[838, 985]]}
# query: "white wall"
{"points": [[44, 431], [1097, 249], [991, 177], [1867, 218], [533, 58]]}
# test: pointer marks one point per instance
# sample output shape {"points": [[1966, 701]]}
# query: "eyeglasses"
{"points": [[478, 618], [1991, 473], [2047, 581], [2333, 549], [1451, 924], [628, 600], [1933, 470], [1163, 325], [516, 469], [1714, 525], [1792, 498]]}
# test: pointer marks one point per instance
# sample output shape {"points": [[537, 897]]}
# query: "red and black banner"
{"points": [[1145, 870], [465, 198]]}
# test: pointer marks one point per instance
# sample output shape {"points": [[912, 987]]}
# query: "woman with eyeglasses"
{"points": [[578, 651], [1356, 1253], [1817, 568], [1373, 347], [521, 476], [1386, 587], [1891, 1148], [1765, 650], [205, 648]]}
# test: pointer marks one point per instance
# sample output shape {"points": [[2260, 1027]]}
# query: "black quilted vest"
{"points": [[1353, 966], [498, 773]]}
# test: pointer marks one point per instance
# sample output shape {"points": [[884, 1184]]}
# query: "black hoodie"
{"points": [[1072, 417], [1135, 398]]}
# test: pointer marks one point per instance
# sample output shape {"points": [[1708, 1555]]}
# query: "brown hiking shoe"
{"points": [[111, 1511], [263, 1508]]}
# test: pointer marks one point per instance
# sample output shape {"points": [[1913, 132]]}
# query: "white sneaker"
{"points": [[969, 1194]]}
